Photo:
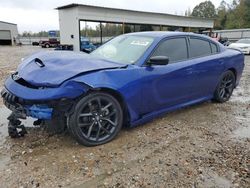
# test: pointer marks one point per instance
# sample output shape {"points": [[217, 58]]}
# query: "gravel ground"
{"points": [[205, 145]]}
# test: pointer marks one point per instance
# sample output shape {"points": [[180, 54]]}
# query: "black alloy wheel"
{"points": [[97, 119], [225, 87]]}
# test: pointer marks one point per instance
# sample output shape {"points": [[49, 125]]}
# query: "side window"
{"points": [[174, 49], [199, 48], [214, 48]]}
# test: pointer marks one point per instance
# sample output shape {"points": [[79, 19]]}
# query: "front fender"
{"points": [[125, 82]]}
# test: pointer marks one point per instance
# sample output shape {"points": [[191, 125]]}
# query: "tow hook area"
{"points": [[15, 128]]}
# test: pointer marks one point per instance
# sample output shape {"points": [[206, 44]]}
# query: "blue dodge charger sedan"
{"points": [[129, 80]]}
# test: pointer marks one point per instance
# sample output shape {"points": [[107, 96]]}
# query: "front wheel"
{"points": [[97, 119], [225, 87]]}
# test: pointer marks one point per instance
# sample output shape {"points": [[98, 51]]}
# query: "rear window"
{"points": [[214, 48], [199, 48]]}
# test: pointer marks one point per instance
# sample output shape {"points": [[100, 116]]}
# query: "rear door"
{"points": [[206, 64]]}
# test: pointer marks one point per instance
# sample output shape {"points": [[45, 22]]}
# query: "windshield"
{"points": [[244, 41], [126, 49]]}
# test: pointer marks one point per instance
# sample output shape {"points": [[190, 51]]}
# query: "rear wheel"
{"points": [[96, 120], [47, 45], [225, 87]]}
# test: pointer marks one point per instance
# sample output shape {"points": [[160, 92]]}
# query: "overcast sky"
{"points": [[37, 15]]}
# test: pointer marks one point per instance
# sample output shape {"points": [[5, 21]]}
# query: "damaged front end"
{"points": [[49, 106], [23, 108]]}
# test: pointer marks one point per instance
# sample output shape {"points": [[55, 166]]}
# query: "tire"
{"points": [[225, 87], [47, 45], [96, 120]]}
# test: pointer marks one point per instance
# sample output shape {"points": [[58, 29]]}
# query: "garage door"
{"points": [[5, 37]]}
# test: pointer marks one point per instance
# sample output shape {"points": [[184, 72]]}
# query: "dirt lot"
{"points": [[206, 145]]}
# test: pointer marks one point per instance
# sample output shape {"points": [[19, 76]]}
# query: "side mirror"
{"points": [[158, 60]]}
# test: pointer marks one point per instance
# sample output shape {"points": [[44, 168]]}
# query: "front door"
{"points": [[168, 85]]}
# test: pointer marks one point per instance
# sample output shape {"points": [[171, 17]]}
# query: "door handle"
{"points": [[189, 71], [221, 61]]}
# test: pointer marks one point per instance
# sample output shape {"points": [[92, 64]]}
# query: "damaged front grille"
{"points": [[7, 96]]}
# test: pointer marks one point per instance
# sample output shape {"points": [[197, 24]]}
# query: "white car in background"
{"points": [[242, 45]]}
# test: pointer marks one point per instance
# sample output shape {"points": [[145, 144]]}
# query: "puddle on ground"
{"points": [[244, 130], [241, 95], [212, 179], [4, 113]]}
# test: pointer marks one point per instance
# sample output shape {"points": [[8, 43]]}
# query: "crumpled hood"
{"points": [[54, 67]]}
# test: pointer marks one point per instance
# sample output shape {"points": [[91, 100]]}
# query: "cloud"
{"points": [[36, 15], [31, 20]]}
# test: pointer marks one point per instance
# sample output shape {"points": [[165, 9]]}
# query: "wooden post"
{"points": [[123, 28], [101, 31]]}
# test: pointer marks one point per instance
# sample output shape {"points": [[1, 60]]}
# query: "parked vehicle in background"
{"points": [[64, 47], [127, 81], [232, 34], [242, 45], [35, 43], [52, 42], [215, 36], [86, 45]]}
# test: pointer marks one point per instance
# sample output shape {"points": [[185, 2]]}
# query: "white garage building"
{"points": [[8, 33], [71, 16]]}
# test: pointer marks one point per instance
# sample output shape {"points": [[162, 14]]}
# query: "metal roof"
{"points": [[93, 6], [7, 23]]}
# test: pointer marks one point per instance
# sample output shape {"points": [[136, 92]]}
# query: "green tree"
{"points": [[127, 29], [228, 16], [247, 13], [146, 27], [188, 12], [221, 17], [205, 9], [235, 15], [38, 34]]}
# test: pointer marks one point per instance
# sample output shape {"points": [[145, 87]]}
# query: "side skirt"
{"points": [[151, 116]]}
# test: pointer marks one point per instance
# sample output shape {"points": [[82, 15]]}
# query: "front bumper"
{"points": [[245, 51], [26, 108], [40, 103]]}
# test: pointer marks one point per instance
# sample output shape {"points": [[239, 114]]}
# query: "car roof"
{"points": [[163, 34]]}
